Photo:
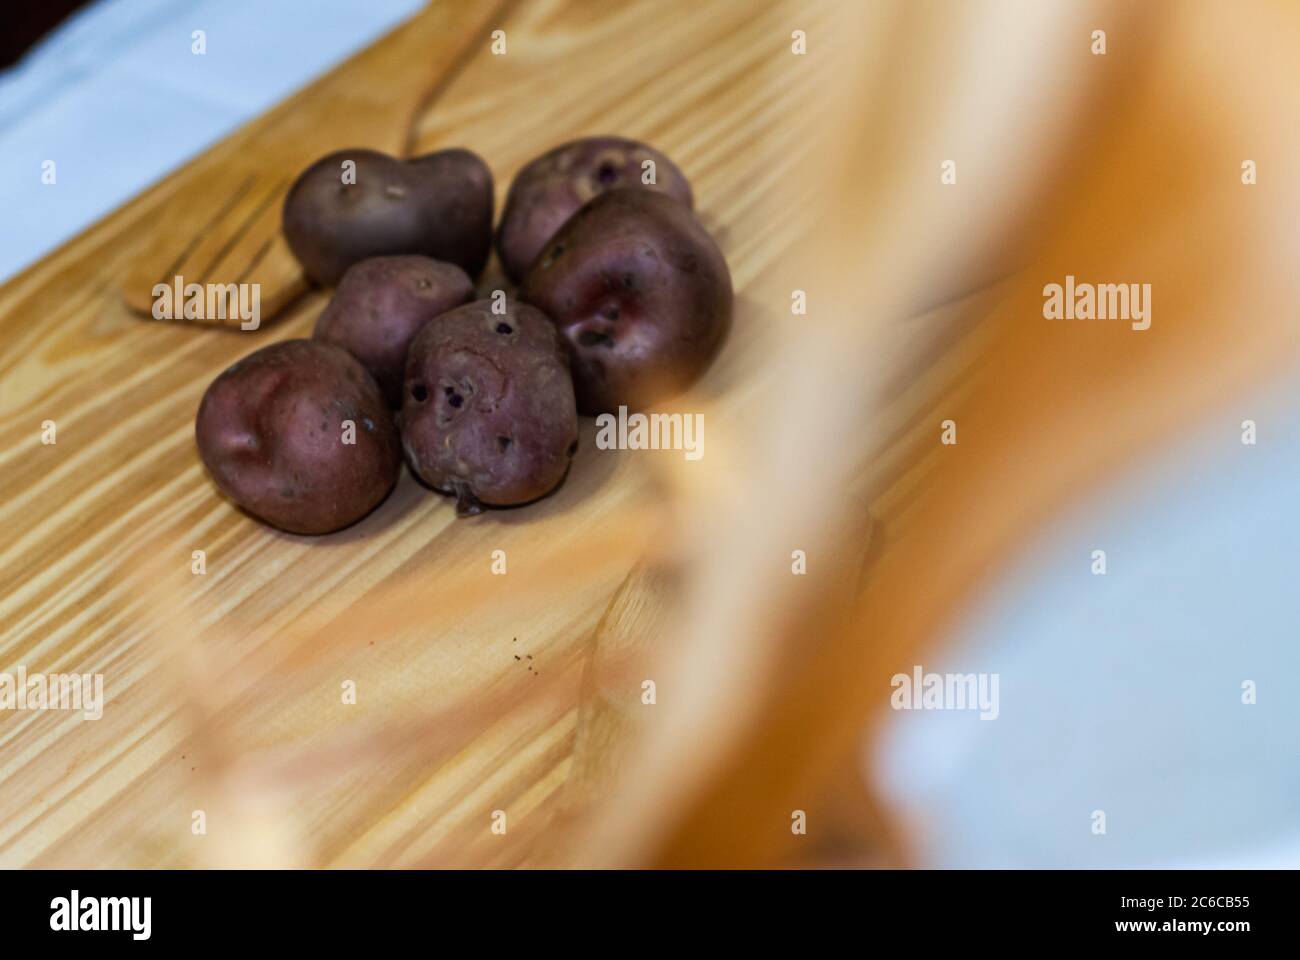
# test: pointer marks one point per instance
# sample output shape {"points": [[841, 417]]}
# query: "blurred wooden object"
{"points": [[1137, 177]]}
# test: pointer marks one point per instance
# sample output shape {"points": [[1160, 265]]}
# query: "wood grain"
{"points": [[206, 676], [224, 227]]}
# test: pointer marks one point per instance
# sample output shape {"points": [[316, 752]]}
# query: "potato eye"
{"points": [[607, 174], [454, 398], [419, 392], [595, 338], [505, 328]]}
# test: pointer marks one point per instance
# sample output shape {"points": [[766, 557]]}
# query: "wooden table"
{"points": [[224, 688]]}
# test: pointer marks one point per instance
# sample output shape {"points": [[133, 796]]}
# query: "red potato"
{"points": [[640, 292], [273, 431], [438, 205], [553, 187], [381, 304], [488, 412]]}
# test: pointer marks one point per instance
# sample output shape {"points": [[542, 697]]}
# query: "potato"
{"points": [[273, 432], [488, 411], [381, 304], [641, 293], [438, 205], [551, 189]]}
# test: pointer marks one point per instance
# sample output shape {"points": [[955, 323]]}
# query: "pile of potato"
{"points": [[622, 299]]}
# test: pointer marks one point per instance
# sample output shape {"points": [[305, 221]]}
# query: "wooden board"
{"points": [[213, 680]]}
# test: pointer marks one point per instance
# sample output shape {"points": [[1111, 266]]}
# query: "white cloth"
{"points": [[1123, 693], [117, 99]]}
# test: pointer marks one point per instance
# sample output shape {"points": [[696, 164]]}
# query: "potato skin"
{"points": [[270, 431], [640, 292], [488, 411], [553, 187], [438, 205], [381, 304]]}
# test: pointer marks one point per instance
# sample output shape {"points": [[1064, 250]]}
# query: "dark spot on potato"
{"points": [[610, 312], [607, 174], [503, 443], [419, 392], [454, 398], [629, 281], [573, 448], [595, 338], [505, 328]]}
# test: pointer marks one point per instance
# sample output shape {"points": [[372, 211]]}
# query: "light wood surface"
{"points": [[213, 679]]}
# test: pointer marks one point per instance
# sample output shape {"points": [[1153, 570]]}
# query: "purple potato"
{"points": [[554, 186], [488, 412], [640, 292], [381, 304], [271, 430], [438, 205]]}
